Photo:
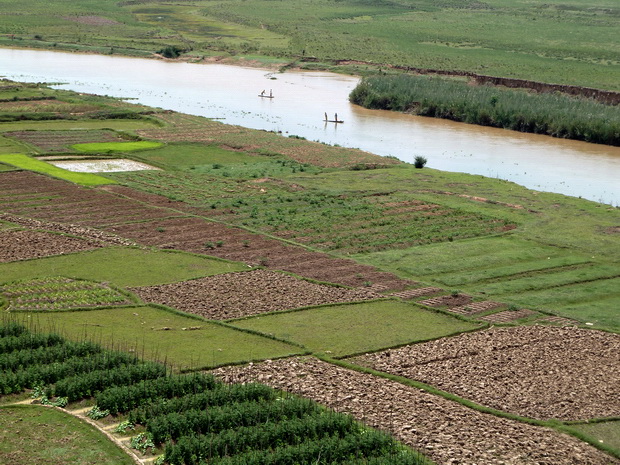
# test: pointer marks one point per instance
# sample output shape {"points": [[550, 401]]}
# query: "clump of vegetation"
{"points": [[419, 162], [171, 51], [551, 114]]}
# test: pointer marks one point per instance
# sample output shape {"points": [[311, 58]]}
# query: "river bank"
{"points": [[229, 93]]}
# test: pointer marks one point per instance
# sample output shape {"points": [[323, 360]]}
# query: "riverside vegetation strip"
{"points": [[503, 242]]}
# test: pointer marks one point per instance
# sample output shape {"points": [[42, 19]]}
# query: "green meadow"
{"points": [[122, 266], [59, 438], [184, 342], [564, 42], [343, 330]]}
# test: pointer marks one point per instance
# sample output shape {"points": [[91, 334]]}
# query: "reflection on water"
{"points": [[300, 102]]}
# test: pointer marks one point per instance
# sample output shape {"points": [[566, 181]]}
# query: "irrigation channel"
{"points": [[301, 100]]}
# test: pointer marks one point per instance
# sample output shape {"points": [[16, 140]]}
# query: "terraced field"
{"points": [[385, 280]]}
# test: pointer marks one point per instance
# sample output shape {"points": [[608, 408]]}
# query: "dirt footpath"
{"points": [[535, 371], [445, 431], [236, 295]]}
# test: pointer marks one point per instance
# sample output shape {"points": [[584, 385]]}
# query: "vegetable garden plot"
{"points": [[58, 293], [68, 203], [351, 223]]}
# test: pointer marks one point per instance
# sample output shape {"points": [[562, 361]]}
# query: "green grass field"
{"points": [[607, 433], [122, 266], [572, 42], [159, 335], [343, 330], [38, 166], [37, 434], [113, 147]]}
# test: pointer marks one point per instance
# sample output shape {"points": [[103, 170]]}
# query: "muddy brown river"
{"points": [[301, 100]]}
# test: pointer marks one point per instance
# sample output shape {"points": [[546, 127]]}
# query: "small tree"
{"points": [[171, 51], [419, 162]]}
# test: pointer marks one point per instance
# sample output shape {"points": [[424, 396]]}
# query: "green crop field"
{"points": [[182, 341], [126, 267], [351, 329], [111, 147]]}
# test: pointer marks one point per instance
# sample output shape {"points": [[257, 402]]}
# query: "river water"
{"points": [[300, 102]]}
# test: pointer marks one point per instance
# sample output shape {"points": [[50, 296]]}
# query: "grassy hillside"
{"points": [[565, 42]]}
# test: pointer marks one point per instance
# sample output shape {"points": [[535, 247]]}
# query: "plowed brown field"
{"points": [[535, 371], [236, 295], [445, 431]]}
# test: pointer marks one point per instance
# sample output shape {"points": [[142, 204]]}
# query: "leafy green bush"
{"points": [[419, 162], [171, 51]]}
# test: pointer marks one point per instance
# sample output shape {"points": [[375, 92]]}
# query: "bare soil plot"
{"points": [[91, 234], [534, 371], [23, 245], [447, 432], [48, 199], [447, 301], [236, 295], [198, 235], [61, 141]]}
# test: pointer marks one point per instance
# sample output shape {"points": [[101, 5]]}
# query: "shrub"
{"points": [[419, 162], [171, 51]]}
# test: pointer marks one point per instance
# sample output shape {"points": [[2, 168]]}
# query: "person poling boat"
{"points": [[335, 120], [262, 94]]}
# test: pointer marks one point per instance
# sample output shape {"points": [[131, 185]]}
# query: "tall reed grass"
{"points": [[556, 114]]}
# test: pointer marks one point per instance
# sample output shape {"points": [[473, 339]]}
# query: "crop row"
{"points": [[195, 416], [121, 399], [293, 431], [27, 340], [21, 359], [331, 449], [17, 379], [219, 394]]}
